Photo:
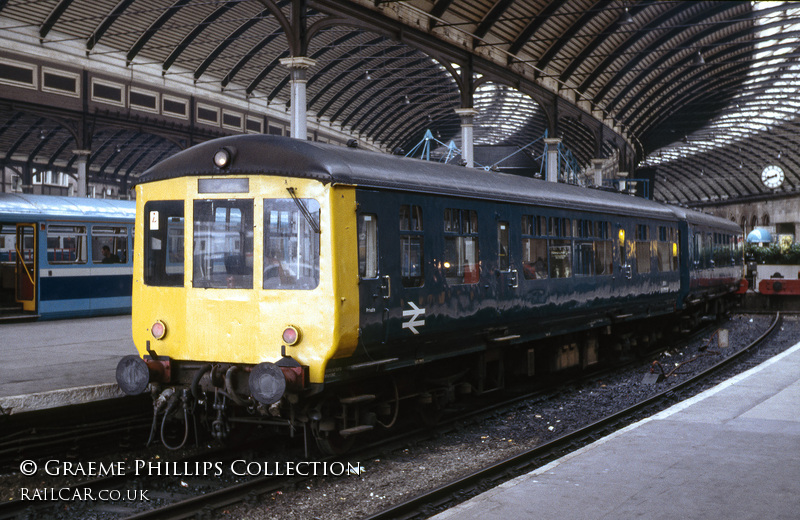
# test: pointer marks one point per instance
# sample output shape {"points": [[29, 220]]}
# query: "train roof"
{"points": [[20, 207], [258, 154]]}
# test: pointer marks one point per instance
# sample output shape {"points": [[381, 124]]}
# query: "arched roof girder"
{"points": [[196, 32], [107, 22], [352, 86], [53, 17], [662, 20], [644, 98], [684, 63], [599, 40], [660, 43], [732, 75], [534, 25], [105, 143], [497, 10], [574, 29], [322, 72], [250, 55], [383, 126], [154, 28], [336, 81], [395, 99], [230, 39]]}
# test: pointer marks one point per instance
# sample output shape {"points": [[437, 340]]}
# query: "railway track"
{"points": [[456, 491], [189, 495], [71, 430]]}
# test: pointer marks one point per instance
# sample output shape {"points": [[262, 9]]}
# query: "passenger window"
{"points": [[603, 246], [222, 244], [584, 248], [163, 243], [109, 245], [368, 246], [461, 255], [534, 250], [411, 246], [291, 244], [666, 246], [559, 249], [66, 244], [675, 240], [642, 248]]}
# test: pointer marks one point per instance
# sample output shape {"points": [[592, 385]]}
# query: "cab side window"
{"points": [[163, 243]]}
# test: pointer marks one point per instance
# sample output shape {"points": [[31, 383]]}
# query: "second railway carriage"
{"points": [[326, 287], [63, 257]]}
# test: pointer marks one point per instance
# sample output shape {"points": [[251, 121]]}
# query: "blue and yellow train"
{"points": [[64, 257], [326, 288]]}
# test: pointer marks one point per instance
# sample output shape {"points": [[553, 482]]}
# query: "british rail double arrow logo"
{"points": [[415, 312]]}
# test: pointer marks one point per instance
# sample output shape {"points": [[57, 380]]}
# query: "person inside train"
{"points": [[109, 257]]}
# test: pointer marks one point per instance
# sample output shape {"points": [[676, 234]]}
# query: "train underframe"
{"points": [[220, 396]]}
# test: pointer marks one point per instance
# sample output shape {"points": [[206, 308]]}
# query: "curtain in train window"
{"points": [[461, 255], [291, 244], [411, 246], [368, 246], [163, 243], [223, 244]]}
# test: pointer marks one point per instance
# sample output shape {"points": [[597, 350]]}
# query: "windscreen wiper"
{"points": [[304, 210]]}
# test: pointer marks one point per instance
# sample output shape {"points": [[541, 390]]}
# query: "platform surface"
{"points": [[731, 453], [61, 362]]}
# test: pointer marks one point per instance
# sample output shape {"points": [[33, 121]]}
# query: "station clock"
{"points": [[772, 176]]}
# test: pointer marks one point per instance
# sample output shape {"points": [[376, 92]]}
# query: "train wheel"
{"points": [[331, 443], [326, 429], [429, 411]]}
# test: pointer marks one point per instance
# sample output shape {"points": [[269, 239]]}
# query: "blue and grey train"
{"points": [[325, 288], [63, 257]]}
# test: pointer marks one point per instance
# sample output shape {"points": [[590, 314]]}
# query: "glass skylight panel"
{"points": [[768, 108]]}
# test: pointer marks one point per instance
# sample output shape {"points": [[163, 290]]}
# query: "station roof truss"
{"points": [[703, 93]]}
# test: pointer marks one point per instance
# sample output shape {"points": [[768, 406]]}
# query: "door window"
{"points": [[368, 246]]}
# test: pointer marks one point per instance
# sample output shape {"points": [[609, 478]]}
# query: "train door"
{"points": [[375, 284], [26, 259], [506, 272]]}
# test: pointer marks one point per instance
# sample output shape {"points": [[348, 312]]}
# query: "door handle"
{"points": [[386, 287]]}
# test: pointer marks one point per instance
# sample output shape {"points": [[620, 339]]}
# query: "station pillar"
{"points": [[623, 182], [83, 158], [297, 66], [467, 116], [597, 167], [552, 158]]}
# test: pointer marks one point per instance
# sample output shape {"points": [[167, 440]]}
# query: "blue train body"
{"points": [[64, 257]]}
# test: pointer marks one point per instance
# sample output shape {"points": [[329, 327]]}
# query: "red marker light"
{"points": [[291, 336], [158, 329]]}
